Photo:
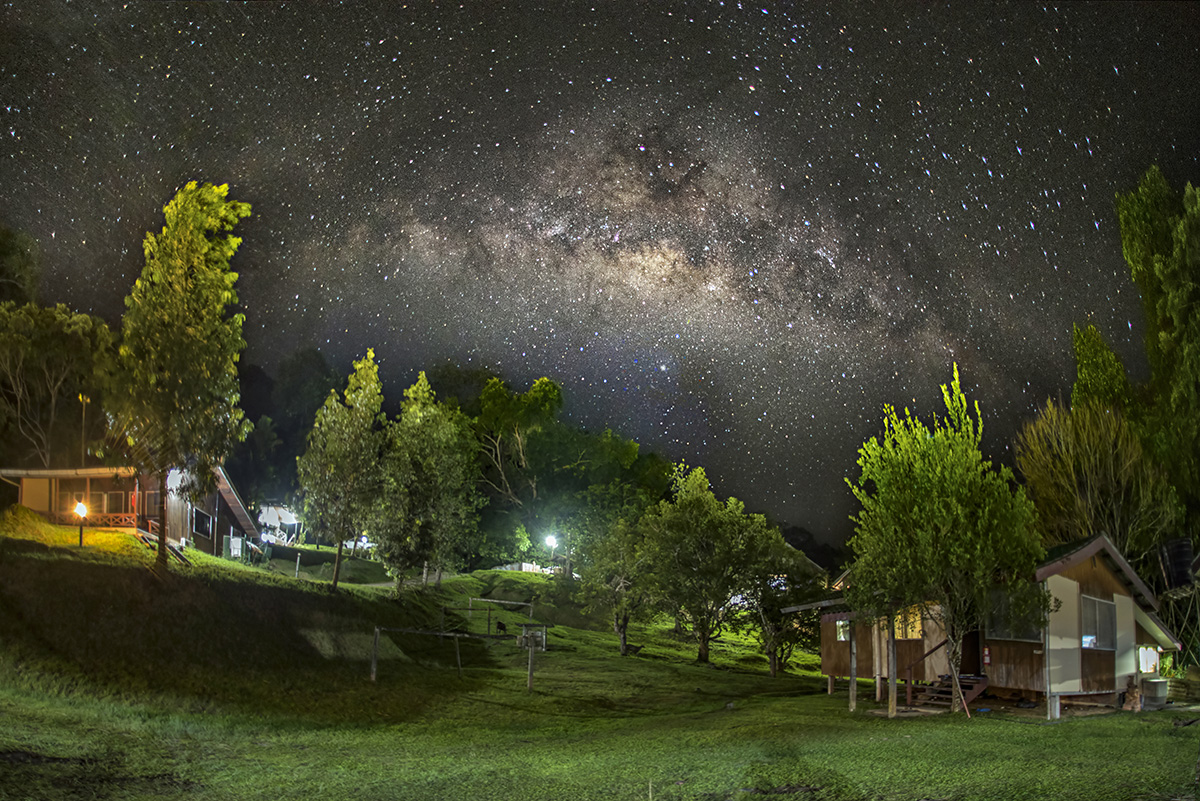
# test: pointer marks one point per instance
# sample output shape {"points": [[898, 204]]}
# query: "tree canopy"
{"points": [[20, 266], [342, 477], [1088, 473], [939, 528], [1160, 239], [175, 396], [432, 473], [51, 359], [702, 551]]}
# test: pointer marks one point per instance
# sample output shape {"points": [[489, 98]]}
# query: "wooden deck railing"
{"points": [[909, 670], [95, 519]]}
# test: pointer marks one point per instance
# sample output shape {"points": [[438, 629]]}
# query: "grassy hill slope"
{"points": [[227, 682]]}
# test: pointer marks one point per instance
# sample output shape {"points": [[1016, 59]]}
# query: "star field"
{"points": [[731, 232]]}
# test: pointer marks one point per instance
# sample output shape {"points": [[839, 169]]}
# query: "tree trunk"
{"points": [[337, 564], [160, 560], [773, 660], [954, 658], [425, 574], [678, 624], [703, 635], [621, 629]]}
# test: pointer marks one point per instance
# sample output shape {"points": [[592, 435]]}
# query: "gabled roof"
{"points": [[1064, 557], [229, 494]]}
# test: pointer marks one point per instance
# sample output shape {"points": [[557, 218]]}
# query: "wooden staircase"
{"points": [[941, 692]]}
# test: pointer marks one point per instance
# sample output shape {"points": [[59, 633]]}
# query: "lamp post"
{"points": [[81, 510], [552, 541]]}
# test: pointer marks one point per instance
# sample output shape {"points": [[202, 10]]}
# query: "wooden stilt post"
{"points": [[853, 669], [829, 689], [891, 656], [458, 657]]}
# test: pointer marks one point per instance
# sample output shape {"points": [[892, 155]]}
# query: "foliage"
{"points": [[1099, 375], [431, 476], [536, 469], [618, 577], [939, 528], [20, 266], [341, 473], [49, 357], [175, 397], [509, 425], [1088, 474], [1160, 239], [702, 552], [782, 578]]}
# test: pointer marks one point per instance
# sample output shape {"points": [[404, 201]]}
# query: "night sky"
{"points": [[730, 231]]}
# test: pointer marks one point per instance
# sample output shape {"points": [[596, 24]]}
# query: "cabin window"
{"points": [[1147, 659], [843, 630], [115, 503], [202, 523], [999, 625], [908, 625], [1099, 624], [151, 502]]}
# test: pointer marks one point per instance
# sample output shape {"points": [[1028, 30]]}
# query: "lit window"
{"points": [[1148, 659], [1099, 624], [843, 630], [908, 624]]}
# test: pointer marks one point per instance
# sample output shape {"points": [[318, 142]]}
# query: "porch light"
{"points": [[81, 510]]}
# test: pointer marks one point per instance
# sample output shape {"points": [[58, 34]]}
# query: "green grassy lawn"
{"points": [[228, 682]]}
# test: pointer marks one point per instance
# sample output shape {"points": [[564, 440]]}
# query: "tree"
{"points": [[20, 266], [341, 473], [701, 551], [618, 579], [782, 578], [1160, 239], [1099, 375], [1087, 473], [940, 529], [176, 389], [432, 476], [509, 425], [49, 358]]}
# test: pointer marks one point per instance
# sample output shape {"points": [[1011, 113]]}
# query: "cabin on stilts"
{"points": [[1102, 636]]}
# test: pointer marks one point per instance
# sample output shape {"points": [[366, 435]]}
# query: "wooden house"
{"points": [[117, 497], [1102, 633]]}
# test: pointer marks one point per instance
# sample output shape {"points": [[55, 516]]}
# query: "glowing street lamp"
{"points": [[552, 541], [81, 510]]}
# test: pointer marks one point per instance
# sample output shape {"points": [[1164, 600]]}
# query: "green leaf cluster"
{"points": [[939, 528]]}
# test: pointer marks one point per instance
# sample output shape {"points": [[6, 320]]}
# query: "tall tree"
{"points": [[20, 266], [432, 477], [1087, 473], [176, 391], [702, 551], [509, 425], [1160, 239], [50, 358], [618, 577], [341, 473], [939, 528]]}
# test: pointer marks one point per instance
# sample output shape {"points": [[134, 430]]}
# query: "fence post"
{"points": [[374, 653]]}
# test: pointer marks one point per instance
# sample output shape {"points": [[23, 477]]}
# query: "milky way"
{"points": [[731, 232]]}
